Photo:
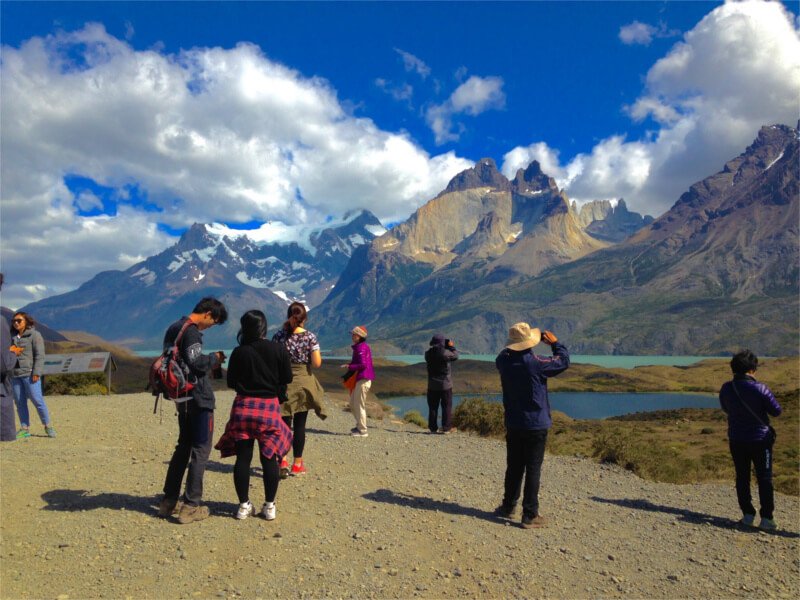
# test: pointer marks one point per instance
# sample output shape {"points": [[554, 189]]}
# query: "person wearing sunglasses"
{"points": [[26, 378]]}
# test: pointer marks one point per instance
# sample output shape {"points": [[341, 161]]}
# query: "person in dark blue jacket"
{"points": [[524, 376], [748, 404]]}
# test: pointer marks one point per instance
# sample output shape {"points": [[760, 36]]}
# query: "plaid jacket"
{"points": [[256, 418]]}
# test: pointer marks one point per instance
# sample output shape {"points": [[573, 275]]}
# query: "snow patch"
{"points": [[769, 166], [251, 281]]}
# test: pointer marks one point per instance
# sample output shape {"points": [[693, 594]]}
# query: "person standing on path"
{"points": [[8, 360], [304, 393], [438, 357], [524, 377], [196, 415], [258, 370], [361, 363], [749, 404], [26, 378]]}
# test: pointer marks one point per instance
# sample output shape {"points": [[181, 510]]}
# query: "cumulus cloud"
{"points": [[208, 134], [737, 70], [402, 92], [412, 63], [474, 96]]}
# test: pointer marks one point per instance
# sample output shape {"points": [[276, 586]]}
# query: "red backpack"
{"points": [[169, 375]]}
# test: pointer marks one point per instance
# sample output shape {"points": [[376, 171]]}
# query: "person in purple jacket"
{"points": [[748, 404], [524, 376], [361, 363]]}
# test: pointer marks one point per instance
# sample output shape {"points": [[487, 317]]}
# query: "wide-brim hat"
{"points": [[522, 337]]}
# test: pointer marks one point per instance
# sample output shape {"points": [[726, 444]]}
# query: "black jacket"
{"points": [[200, 365], [438, 359], [260, 370]]}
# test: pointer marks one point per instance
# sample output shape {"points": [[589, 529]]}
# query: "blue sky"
{"points": [[123, 123]]}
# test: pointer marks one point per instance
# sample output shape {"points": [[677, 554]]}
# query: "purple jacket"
{"points": [[742, 424], [362, 362]]}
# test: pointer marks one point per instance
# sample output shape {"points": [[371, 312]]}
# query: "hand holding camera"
{"points": [[450, 344], [216, 372], [548, 337]]}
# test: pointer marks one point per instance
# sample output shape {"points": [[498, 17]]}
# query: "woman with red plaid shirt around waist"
{"points": [[258, 370]]}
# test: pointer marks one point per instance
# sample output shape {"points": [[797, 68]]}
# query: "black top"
{"points": [[191, 352], [260, 369], [438, 359]]}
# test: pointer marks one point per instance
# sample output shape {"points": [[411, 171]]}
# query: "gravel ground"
{"points": [[401, 513]]}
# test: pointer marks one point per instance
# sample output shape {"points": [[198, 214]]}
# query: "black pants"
{"points": [[297, 423], [445, 398], [195, 433], [8, 430], [524, 457], [241, 472], [760, 455]]}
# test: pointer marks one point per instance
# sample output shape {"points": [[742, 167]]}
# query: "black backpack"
{"points": [[169, 375]]}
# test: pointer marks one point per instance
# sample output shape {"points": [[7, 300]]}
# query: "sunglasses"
{"points": [[17, 320]]}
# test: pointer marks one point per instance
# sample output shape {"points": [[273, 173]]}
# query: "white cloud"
{"points": [[402, 92], [637, 33], [737, 70], [209, 134], [644, 33], [412, 63], [520, 157], [473, 97]]}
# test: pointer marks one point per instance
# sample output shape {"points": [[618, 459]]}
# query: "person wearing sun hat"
{"points": [[524, 376], [361, 364]]}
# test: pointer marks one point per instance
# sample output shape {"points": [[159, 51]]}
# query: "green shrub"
{"points": [[480, 416], [413, 416], [76, 384]]}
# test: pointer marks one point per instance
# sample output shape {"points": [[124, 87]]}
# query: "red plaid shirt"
{"points": [[256, 418]]}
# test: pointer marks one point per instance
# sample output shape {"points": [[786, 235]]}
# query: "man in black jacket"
{"points": [[440, 386], [8, 360], [195, 416]]}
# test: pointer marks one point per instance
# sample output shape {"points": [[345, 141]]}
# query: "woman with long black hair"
{"points": [[258, 369], [305, 392]]}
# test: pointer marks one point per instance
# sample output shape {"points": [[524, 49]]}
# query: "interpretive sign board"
{"points": [[88, 362]]}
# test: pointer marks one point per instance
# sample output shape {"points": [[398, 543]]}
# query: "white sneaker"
{"points": [[268, 511], [358, 433], [245, 510]]}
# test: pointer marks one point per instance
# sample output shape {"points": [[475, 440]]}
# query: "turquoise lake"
{"points": [[581, 405]]}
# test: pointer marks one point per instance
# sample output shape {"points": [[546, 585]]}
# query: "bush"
{"points": [[480, 416], [413, 416], [76, 384]]}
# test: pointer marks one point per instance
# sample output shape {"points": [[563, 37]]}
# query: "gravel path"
{"points": [[401, 513]]}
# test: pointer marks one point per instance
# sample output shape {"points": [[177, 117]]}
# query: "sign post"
{"points": [[88, 362]]}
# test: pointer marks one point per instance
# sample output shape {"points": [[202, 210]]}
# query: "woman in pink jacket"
{"points": [[361, 364]]}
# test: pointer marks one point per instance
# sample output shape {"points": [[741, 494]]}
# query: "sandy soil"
{"points": [[401, 513]]}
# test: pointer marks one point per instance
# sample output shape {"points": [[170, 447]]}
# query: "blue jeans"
{"points": [[25, 388]]}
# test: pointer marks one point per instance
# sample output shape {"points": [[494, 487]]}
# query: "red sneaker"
{"points": [[284, 473], [299, 469]]}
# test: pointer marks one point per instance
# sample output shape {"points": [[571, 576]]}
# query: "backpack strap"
{"points": [[750, 410], [186, 326]]}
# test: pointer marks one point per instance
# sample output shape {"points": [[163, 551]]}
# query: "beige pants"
{"points": [[358, 403]]}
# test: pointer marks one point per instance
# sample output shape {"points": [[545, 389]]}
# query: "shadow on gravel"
{"points": [[689, 516], [81, 500], [324, 432], [407, 500]]}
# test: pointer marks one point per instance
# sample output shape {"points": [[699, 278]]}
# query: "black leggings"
{"points": [[297, 423], [241, 472]]}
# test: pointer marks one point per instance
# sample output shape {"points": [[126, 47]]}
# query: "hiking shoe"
{"points": [[747, 520], [284, 472], [245, 510], [190, 513], [505, 512], [23, 433], [451, 430], [50, 431], [168, 507], [299, 469], [358, 433], [768, 524], [269, 511], [536, 522]]}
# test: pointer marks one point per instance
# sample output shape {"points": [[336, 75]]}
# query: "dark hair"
{"points": [[214, 306], [29, 321], [743, 362], [296, 316], [254, 327]]}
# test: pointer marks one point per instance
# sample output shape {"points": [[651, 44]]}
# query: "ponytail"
{"points": [[296, 316]]}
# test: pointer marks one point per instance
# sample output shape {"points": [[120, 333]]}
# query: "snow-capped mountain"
{"points": [[263, 268]]}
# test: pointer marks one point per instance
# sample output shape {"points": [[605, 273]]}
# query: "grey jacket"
{"points": [[31, 361]]}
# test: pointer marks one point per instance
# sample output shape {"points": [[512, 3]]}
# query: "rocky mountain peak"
{"points": [[197, 236], [532, 180], [483, 174]]}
